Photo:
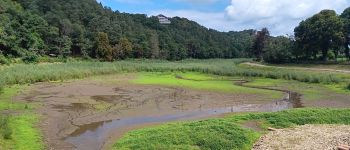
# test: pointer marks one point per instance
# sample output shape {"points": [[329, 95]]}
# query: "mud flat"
{"points": [[86, 114]]}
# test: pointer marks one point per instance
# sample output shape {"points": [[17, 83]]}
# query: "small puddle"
{"points": [[93, 136]]}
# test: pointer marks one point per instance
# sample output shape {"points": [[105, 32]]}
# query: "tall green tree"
{"points": [[260, 41], [319, 34], [123, 49], [279, 50], [346, 20], [65, 44], [103, 48], [154, 42]]}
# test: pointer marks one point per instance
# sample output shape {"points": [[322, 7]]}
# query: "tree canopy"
{"points": [[86, 28], [73, 28], [319, 34]]}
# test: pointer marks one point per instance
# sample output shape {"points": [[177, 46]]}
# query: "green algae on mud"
{"points": [[225, 133], [310, 92], [202, 82]]}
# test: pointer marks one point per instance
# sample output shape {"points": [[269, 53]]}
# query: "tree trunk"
{"points": [[324, 55], [336, 56]]}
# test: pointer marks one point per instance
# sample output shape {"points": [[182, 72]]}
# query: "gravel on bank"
{"points": [[306, 137]]}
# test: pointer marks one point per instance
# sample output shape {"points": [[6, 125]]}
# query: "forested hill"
{"points": [[88, 29]]}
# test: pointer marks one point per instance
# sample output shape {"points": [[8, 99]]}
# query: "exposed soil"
{"points": [[86, 114], [253, 125], [307, 137]]}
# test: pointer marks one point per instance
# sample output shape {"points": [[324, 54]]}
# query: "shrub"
{"points": [[31, 58], [5, 130], [4, 60], [348, 87]]}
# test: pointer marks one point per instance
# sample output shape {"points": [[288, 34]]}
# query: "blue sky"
{"points": [[280, 16], [146, 6]]}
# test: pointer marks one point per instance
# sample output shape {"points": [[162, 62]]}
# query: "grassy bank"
{"points": [[225, 133], [24, 135], [17, 129]]}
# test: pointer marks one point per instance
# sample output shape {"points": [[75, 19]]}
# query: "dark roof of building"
{"points": [[160, 15]]}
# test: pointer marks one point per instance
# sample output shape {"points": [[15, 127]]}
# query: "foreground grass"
{"points": [[24, 134], [225, 133]]}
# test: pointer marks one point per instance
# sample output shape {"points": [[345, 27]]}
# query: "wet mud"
{"points": [[90, 115]]}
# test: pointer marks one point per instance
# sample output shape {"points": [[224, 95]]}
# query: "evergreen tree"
{"points": [[103, 49], [260, 41]]}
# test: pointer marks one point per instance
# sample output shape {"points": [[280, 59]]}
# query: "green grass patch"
{"points": [[200, 82], [225, 133], [6, 101], [18, 131], [25, 136]]}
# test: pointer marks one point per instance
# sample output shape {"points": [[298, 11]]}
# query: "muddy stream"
{"points": [[88, 115]]}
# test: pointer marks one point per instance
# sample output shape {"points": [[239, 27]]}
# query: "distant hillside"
{"points": [[71, 27]]}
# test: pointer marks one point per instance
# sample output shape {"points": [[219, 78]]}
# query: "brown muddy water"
{"points": [[89, 115]]}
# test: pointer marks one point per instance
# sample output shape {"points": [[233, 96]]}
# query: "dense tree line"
{"points": [[85, 28], [322, 37]]}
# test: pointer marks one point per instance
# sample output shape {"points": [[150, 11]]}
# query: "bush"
{"points": [[31, 58], [4, 60], [348, 87], [5, 130]]}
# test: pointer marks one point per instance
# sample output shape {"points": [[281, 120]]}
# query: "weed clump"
{"points": [[5, 129]]}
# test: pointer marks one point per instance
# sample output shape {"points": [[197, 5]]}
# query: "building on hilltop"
{"points": [[163, 19]]}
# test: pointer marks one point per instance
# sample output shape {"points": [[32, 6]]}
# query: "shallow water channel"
{"points": [[93, 136]]}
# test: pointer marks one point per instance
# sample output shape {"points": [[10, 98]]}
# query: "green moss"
{"points": [[225, 133], [208, 83], [309, 91]]}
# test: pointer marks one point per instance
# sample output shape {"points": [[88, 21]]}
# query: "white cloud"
{"points": [[197, 1], [280, 16]]}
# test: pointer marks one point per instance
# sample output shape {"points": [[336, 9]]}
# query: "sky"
{"points": [[279, 16]]}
